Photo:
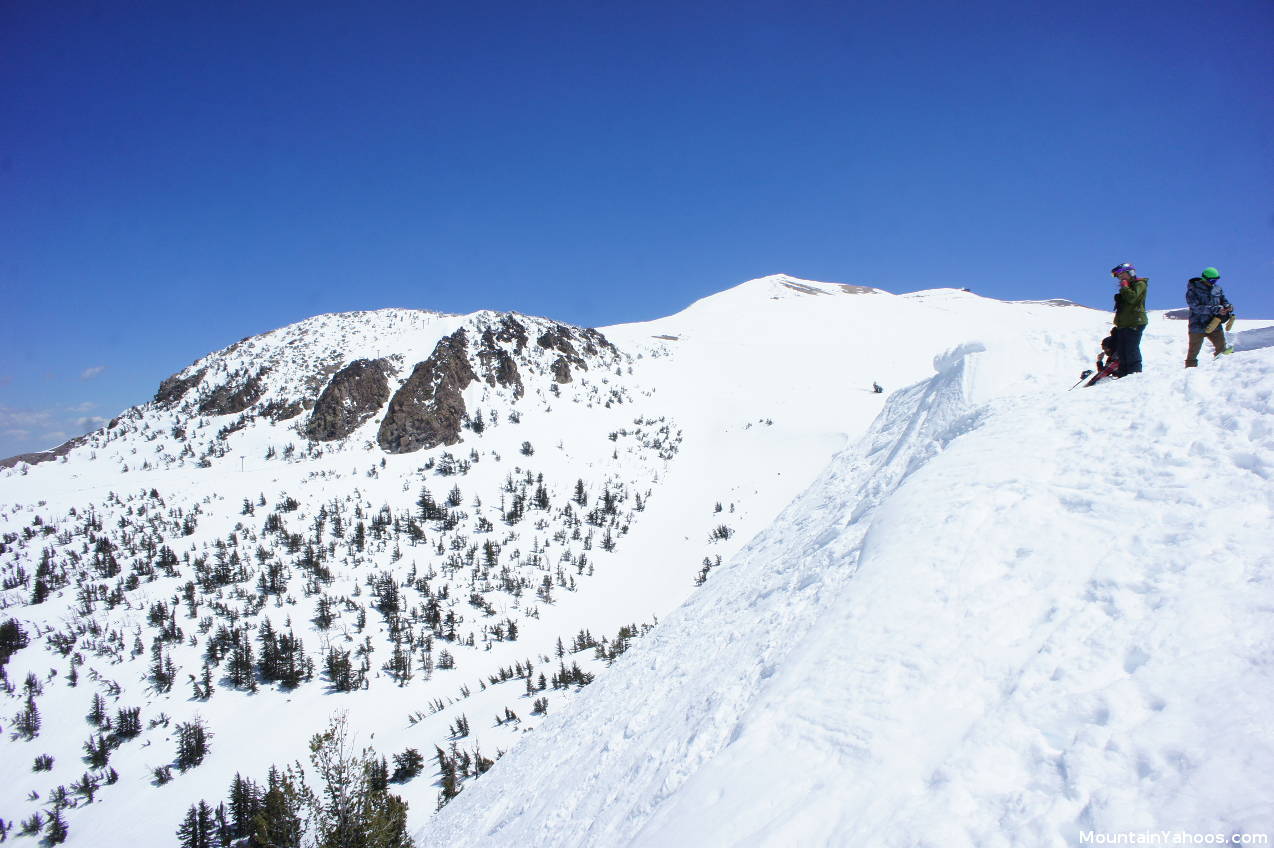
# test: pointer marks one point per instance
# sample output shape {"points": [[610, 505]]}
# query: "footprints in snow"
{"points": [[1135, 659]]}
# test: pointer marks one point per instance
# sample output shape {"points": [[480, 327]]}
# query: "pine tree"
{"points": [[128, 722], [97, 750], [162, 670], [428, 509], [268, 666], [294, 666], [192, 744], [222, 827], [197, 828], [87, 787], [27, 722], [97, 712], [352, 810], [12, 639], [449, 782], [279, 822], [240, 668], [407, 765], [377, 775], [340, 671], [206, 682], [245, 803], [56, 831]]}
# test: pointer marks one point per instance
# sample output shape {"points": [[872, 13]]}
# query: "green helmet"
{"points": [[1211, 274]]}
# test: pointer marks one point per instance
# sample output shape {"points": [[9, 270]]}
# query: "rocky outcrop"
{"points": [[564, 340], [561, 370], [499, 368], [355, 394], [429, 410], [44, 456], [558, 338], [509, 330], [278, 410], [234, 396], [176, 387]]}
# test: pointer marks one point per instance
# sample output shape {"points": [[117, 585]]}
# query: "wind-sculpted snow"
{"points": [[1254, 339], [1023, 622], [243, 570]]}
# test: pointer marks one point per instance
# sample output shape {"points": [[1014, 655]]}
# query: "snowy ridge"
{"points": [[1005, 623], [582, 492]]}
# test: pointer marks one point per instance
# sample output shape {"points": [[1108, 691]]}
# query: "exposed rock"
{"points": [[563, 339], [44, 456], [175, 387], [508, 330], [499, 368], [233, 398], [558, 338], [355, 394], [277, 410], [561, 370], [428, 410], [594, 342]]}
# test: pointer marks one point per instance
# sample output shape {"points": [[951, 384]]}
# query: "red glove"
{"points": [[1123, 284]]}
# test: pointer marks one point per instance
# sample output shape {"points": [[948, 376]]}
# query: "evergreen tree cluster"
{"points": [[350, 807], [160, 564]]}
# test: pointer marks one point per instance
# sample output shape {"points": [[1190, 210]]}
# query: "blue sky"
{"points": [[175, 176]]}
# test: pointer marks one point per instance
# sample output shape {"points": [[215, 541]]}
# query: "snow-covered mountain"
{"points": [[974, 592]]}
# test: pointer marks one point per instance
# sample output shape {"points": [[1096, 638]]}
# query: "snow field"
{"points": [[727, 705], [988, 624]]}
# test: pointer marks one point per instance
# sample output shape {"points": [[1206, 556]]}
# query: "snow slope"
{"points": [[1005, 617], [718, 416]]}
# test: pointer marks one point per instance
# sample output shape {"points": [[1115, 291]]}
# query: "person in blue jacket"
{"points": [[1208, 310]]}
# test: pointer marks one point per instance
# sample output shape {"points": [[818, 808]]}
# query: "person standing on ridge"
{"points": [[1130, 317], [1208, 308]]}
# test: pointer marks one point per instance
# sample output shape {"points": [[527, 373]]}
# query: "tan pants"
{"points": [[1217, 337]]}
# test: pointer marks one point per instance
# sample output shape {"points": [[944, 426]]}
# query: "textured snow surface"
{"points": [[976, 609], [1001, 622]]}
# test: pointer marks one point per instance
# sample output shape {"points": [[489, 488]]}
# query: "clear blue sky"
{"points": [[175, 176]]}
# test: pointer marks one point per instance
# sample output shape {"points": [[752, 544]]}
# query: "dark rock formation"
{"points": [[563, 339], [561, 370], [499, 368], [558, 338], [277, 410], [594, 342], [356, 393], [175, 388], [428, 410], [44, 456], [234, 397], [508, 330]]}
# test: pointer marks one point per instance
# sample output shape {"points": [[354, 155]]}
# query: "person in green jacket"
{"points": [[1130, 318]]}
